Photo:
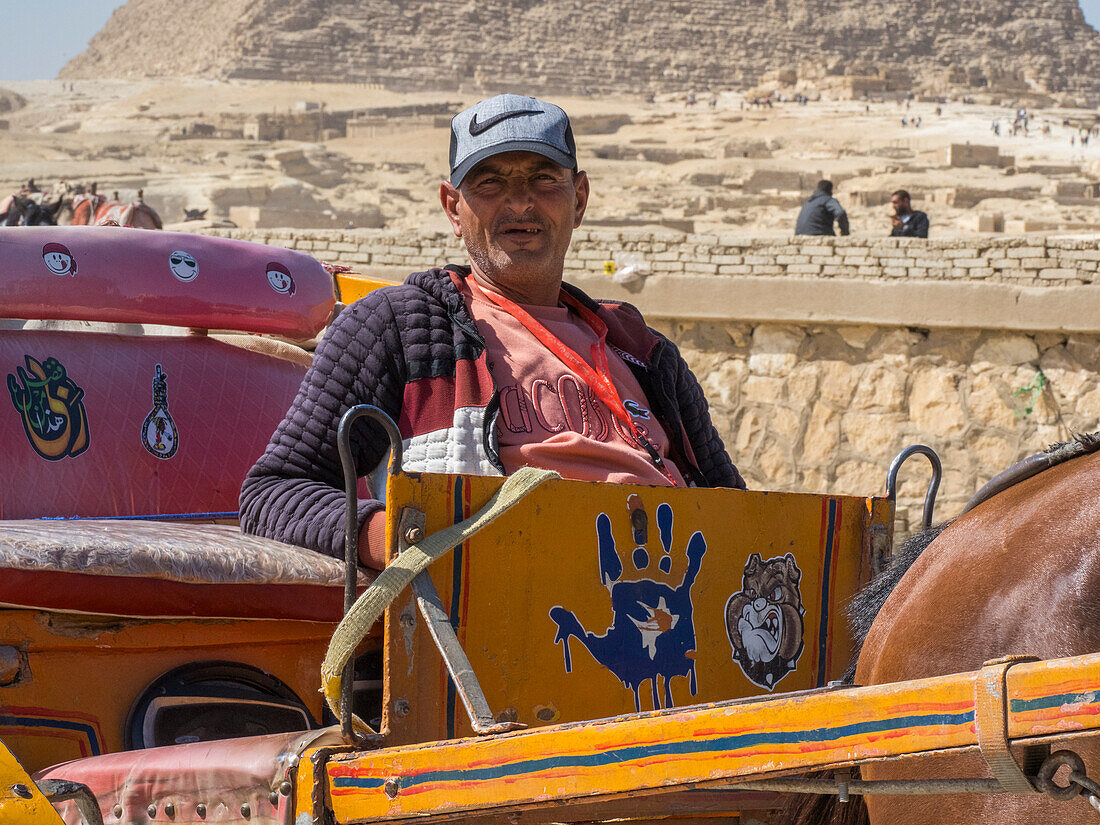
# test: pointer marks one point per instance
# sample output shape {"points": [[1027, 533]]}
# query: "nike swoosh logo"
{"points": [[485, 125]]}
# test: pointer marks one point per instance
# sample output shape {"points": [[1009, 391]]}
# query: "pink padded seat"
{"points": [[165, 570]]}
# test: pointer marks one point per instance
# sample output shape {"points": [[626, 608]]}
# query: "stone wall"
{"points": [[823, 357]]}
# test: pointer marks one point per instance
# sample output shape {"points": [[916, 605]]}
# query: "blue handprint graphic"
{"points": [[652, 633]]}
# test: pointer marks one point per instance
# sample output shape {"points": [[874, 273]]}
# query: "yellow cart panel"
{"points": [[588, 601]]}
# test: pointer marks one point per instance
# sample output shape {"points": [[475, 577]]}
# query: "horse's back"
{"points": [[1019, 574]]}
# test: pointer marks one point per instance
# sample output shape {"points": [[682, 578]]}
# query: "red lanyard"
{"points": [[598, 379]]}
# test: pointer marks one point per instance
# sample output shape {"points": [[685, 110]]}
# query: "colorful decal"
{"points": [[652, 633], [764, 620], [183, 266], [158, 432], [58, 259], [636, 409], [279, 278], [52, 409]]}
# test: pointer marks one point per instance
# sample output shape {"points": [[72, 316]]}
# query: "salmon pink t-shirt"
{"points": [[549, 417]]}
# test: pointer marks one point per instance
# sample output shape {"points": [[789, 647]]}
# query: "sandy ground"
{"points": [[719, 165]]}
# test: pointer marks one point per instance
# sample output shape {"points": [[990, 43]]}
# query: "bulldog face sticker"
{"points": [[158, 432], [183, 266], [58, 259], [652, 633], [278, 276], [764, 620], [51, 407]]}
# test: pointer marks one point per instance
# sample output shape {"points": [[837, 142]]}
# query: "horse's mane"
{"points": [[1052, 456], [867, 603]]}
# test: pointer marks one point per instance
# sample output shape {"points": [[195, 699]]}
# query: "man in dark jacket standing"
{"points": [[819, 212], [490, 366], [906, 222]]}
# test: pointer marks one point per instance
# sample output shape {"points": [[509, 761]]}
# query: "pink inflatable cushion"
{"points": [[105, 273], [98, 425]]}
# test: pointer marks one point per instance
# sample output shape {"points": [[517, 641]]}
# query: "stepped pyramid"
{"points": [[578, 46]]}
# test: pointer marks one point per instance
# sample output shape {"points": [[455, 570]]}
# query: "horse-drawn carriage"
{"points": [[574, 651]]}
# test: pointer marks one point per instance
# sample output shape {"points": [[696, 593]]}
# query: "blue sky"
{"points": [[37, 38]]}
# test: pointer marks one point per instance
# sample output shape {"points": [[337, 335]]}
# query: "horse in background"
{"points": [[1017, 573], [93, 209]]}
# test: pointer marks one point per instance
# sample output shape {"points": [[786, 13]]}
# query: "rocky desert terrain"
{"points": [[263, 154]]}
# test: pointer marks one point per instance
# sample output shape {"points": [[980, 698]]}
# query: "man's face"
{"points": [[516, 212], [900, 204]]}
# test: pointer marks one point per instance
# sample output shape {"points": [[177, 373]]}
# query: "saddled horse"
{"points": [[96, 210], [1018, 573], [22, 209]]}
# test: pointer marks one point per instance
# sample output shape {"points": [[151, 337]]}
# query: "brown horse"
{"points": [[1017, 573], [96, 210]]}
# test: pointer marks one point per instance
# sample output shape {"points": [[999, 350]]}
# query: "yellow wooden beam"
{"points": [[20, 799], [706, 744], [351, 286]]}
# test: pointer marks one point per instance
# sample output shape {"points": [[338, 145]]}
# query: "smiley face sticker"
{"points": [[278, 276], [183, 266], [58, 259]]}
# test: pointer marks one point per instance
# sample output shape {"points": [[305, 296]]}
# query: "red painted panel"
{"points": [[94, 441]]}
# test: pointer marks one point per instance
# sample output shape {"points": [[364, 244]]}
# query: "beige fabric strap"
{"points": [[400, 572], [991, 718]]}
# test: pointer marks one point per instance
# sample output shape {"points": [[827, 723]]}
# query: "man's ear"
{"points": [[580, 185], [449, 197]]}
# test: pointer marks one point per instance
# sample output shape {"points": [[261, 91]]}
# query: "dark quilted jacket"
{"points": [[405, 349]]}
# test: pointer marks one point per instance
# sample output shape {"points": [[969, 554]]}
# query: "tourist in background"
{"points": [[906, 221], [820, 211]]}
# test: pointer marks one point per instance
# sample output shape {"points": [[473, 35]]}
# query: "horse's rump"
{"points": [[1017, 574]]}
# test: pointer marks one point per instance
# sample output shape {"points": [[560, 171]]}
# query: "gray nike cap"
{"points": [[510, 123]]}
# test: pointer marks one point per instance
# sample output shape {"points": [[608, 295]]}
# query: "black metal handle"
{"points": [[933, 485], [351, 527]]}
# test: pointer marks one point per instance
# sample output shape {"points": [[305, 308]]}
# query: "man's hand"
{"points": [[896, 222]]}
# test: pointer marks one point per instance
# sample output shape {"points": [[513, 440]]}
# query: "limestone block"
{"points": [[814, 481], [1007, 349], [934, 403], [1086, 350], [739, 334], [950, 345], [875, 434], [722, 385], [802, 384], [772, 363], [819, 444], [838, 381], [776, 466], [992, 451], [857, 337], [880, 387], [749, 431], [777, 338], [859, 478], [762, 389], [989, 403], [784, 424], [1087, 412], [1066, 383]]}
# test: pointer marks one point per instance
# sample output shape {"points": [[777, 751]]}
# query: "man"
{"points": [[906, 221], [819, 212], [491, 366]]}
